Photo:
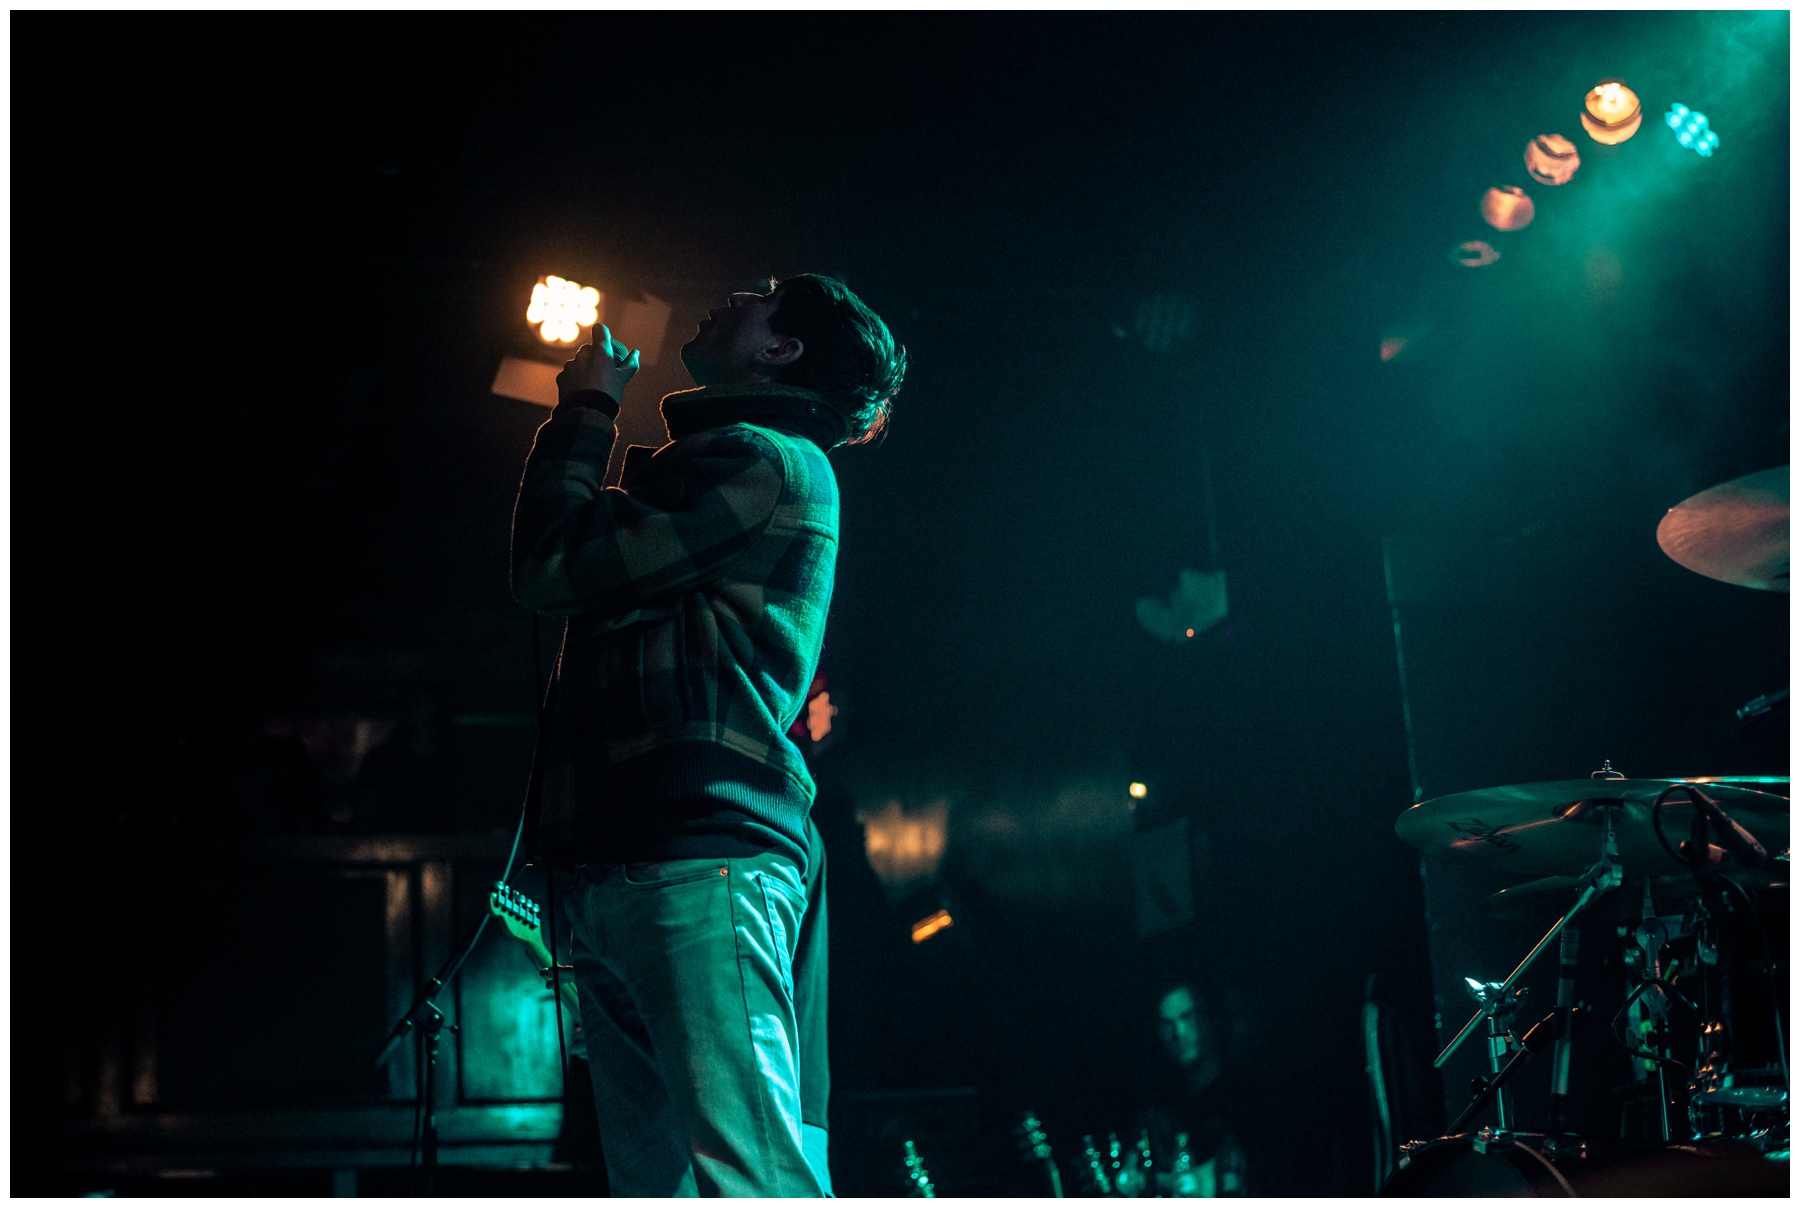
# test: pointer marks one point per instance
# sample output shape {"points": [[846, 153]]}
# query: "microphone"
{"points": [[1732, 837]]}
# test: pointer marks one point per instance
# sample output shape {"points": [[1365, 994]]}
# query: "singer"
{"points": [[695, 594]]}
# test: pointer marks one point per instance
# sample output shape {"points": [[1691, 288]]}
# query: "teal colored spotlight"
{"points": [[1691, 129]]}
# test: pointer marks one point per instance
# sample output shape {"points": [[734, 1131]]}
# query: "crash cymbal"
{"points": [[1736, 532], [1556, 827], [1547, 898]]}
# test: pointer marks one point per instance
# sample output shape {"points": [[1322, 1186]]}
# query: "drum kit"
{"points": [[1689, 877]]}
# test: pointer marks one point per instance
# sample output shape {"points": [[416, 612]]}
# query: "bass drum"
{"points": [[1532, 1165]]}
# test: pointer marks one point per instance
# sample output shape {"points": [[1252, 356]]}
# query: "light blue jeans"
{"points": [[685, 969]]}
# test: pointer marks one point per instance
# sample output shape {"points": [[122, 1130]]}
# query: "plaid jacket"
{"points": [[696, 591]]}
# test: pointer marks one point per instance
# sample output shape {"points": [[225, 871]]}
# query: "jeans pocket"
{"points": [[660, 874], [783, 915]]}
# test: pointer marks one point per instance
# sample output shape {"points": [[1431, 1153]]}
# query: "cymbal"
{"points": [[1736, 532], [1556, 827], [1548, 897]]}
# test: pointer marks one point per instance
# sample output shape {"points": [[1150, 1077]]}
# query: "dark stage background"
{"points": [[1145, 266]]}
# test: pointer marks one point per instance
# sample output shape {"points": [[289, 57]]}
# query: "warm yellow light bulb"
{"points": [[560, 308], [1611, 101], [1139, 789], [1613, 113]]}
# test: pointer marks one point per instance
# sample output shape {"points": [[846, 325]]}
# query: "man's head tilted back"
{"points": [[807, 331]]}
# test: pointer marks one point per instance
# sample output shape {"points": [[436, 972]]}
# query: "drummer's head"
{"points": [[1181, 1022]]}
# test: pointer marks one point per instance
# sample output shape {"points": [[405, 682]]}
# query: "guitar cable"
{"points": [[481, 926], [562, 1044], [543, 697]]}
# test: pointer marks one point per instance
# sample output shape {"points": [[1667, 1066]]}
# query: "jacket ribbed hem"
{"points": [[685, 800]]}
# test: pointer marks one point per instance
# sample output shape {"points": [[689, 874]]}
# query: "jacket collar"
{"points": [[792, 409]]}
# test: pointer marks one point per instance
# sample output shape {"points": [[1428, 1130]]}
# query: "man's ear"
{"points": [[782, 353]]}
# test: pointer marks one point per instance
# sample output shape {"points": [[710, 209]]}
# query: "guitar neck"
{"points": [[571, 996], [539, 952]]}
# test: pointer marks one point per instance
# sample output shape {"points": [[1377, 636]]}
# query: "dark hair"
{"points": [[850, 355]]}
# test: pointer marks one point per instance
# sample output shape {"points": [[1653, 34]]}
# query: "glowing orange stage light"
{"points": [[1473, 254], [905, 846], [561, 308], [1139, 789], [819, 712], [1613, 112], [930, 925], [1507, 209], [1551, 159]]}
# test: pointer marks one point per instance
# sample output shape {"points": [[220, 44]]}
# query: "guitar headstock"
{"points": [[518, 912]]}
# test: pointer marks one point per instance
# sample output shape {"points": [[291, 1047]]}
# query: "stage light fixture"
{"points": [[1507, 209], [560, 308], [1613, 113], [1139, 790], [1473, 254], [1551, 159], [1692, 129]]}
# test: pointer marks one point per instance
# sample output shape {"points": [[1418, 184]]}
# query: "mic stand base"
{"points": [[431, 1028]]}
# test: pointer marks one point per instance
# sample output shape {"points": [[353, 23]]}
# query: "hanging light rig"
{"points": [[560, 308]]}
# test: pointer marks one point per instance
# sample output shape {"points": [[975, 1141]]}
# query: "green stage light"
{"points": [[1692, 129]]}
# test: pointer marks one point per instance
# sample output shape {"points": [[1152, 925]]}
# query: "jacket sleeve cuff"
{"points": [[596, 400]]}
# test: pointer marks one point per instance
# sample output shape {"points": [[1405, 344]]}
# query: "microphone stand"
{"points": [[431, 1025], [424, 1016]]}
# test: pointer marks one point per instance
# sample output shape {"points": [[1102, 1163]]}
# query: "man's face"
{"points": [[1184, 1035], [733, 340]]}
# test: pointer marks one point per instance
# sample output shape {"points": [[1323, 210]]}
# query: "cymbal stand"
{"points": [[1494, 1088], [1604, 875], [1501, 1004], [1501, 1042]]}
